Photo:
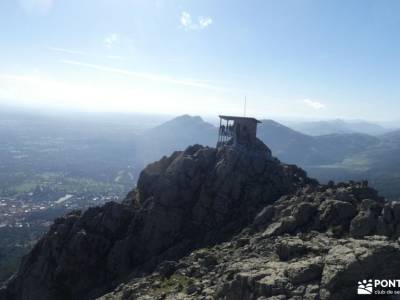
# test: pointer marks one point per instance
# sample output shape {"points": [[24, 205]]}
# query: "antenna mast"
{"points": [[245, 103]]}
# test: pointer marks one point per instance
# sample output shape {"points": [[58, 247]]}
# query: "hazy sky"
{"points": [[290, 58]]}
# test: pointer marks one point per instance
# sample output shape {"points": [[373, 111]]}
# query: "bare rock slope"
{"points": [[316, 243]]}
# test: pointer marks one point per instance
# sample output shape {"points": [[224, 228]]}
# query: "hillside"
{"points": [[175, 134], [294, 147], [338, 127], [379, 164]]}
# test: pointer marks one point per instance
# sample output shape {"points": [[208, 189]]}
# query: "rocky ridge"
{"points": [[313, 244], [196, 198]]}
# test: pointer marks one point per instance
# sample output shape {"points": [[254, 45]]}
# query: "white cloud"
{"points": [[111, 39], [205, 21], [188, 24], [36, 6], [314, 104], [186, 19]]}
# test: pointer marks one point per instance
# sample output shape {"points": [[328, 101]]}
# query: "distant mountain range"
{"points": [[287, 144], [297, 148], [337, 126]]}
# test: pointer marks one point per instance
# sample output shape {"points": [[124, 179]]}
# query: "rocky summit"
{"points": [[226, 223]]}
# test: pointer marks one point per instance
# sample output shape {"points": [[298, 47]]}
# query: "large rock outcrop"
{"points": [[192, 199], [313, 244]]}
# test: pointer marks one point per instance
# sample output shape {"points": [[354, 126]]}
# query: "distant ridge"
{"points": [[338, 126]]}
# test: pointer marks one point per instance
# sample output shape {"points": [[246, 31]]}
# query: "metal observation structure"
{"points": [[237, 130]]}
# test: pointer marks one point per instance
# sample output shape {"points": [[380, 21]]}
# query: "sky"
{"points": [[290, 59]]}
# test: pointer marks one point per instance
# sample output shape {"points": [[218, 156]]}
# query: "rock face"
{"points": [[71, 253], [312, 244], [196, 198]]}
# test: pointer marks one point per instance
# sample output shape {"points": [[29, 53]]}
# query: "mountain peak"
{"points": [[183, 119]]}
